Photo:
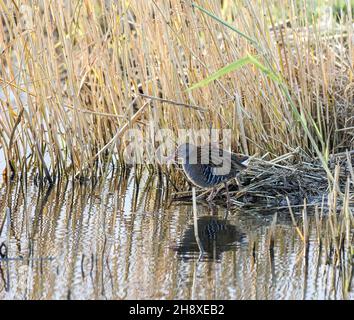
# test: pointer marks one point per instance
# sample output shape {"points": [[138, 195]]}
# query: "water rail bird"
{"points": [[208, 166]]}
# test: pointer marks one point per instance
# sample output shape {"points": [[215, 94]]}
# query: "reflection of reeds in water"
{"points": [[117, 240], [67, 88]]}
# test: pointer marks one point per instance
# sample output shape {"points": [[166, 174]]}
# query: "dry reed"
{"points": [[71, 70]]}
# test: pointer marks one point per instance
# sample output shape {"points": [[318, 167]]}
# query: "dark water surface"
{"points": [[121, 240]]}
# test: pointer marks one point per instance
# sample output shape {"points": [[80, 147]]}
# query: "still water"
{"points": [[126, 240]]}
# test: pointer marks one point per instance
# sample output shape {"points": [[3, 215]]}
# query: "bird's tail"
{"points": [[239, 163]]}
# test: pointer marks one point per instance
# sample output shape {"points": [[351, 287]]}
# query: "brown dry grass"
{"points": [[70, 71]]}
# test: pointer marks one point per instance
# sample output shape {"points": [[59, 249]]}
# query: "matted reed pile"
{"points": [[293, 176], [73, 72], [287, 180]]}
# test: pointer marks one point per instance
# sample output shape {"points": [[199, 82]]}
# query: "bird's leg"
{"points": [[238, 182], [212, 195], [227, 195]]}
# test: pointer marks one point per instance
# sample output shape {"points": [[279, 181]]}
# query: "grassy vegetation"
{"points": [[76, 75], [73, 73]]}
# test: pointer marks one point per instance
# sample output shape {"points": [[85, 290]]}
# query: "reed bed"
{"points": [[76, 75], [293, 176]]}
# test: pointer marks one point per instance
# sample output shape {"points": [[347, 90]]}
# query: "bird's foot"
{"points": [[211, 195]]}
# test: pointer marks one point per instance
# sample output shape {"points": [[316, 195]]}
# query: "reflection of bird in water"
{"points": [[208, 166], [216, 236]]}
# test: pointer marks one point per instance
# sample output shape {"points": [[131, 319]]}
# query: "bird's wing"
{"points": [[216, 157]]}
